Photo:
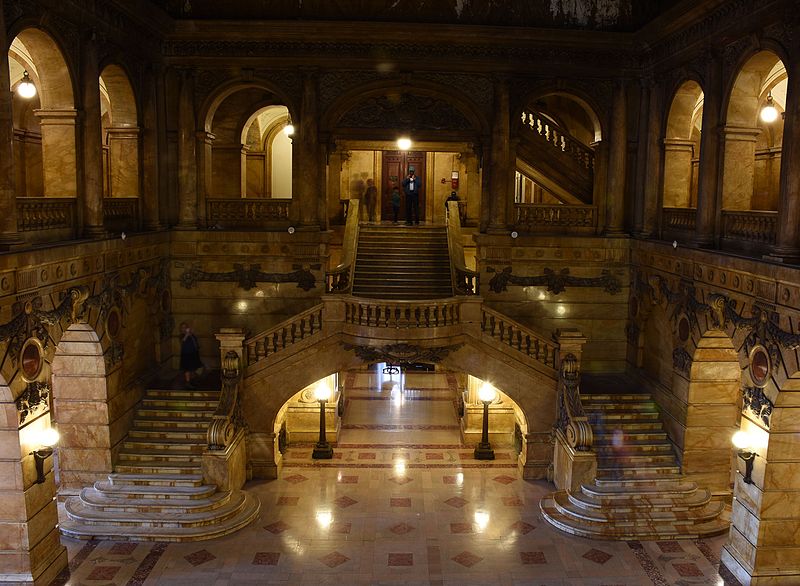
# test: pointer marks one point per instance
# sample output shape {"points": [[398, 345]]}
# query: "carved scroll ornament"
{"points": [[572, 420], [227, 418], [249, 278], [556, 282], [402, 354]]}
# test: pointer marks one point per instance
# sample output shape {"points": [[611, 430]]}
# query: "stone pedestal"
{"points": [[501, 425], [302, 421], [227, 468], [570, 467], [263, 458]]}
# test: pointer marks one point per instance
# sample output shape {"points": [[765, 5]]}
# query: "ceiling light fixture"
{"points": [[769, 113], [26, 89]]}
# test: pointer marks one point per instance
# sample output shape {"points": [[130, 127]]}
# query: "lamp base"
{"points": [[484, 452], [322, 452]]}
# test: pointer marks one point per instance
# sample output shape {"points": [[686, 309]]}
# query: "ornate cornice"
{"points": [[402, 354], [556, 282], [249, 278]]}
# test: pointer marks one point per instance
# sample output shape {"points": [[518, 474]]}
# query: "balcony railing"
{"points": [[45, 213], [247, 213], [549, 132], [402, 314], [680, 219], [121, 213], [756, 227], [538, 217]]}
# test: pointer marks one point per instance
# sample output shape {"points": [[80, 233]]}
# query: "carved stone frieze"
{"points": [[402, 354], [681, 360], [34, 397], [556, 282], [756, 401], [249, 278]]}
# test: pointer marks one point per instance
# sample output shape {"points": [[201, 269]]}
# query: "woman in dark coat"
{"points": [[190, 354]]}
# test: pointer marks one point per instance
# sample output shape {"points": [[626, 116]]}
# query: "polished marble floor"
{"points": [[402, 502]]}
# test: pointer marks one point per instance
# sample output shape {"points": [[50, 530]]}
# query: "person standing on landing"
{"points": [[411, 189], [190, 354], [371, 198]]}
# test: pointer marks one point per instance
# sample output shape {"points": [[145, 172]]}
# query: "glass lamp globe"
{"points": [[288, 130], [487, 393], [26, 89], [741, 439], [769, 113], [49, 437], [404, 143], [322, 392]]}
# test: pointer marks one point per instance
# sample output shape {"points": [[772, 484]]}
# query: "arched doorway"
{"points": [[682, 146]]}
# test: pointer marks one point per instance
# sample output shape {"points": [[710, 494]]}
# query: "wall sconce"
{"points": [[26, 89], [48, 438], [288, 130], [769, 113], [743, 442]]}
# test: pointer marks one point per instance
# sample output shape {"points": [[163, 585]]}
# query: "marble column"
{"points": [[8, 196], [92, 205], [707, 183], [205, 174], [641, 157], [787, 245], [501, 164], [654, 169], [617, 152], [678, 154], [151, 189], [305, 160], [123, 153], [187, 161], [738, 173], [58, 155]]}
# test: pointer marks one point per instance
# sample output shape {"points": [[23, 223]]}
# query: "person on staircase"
{"points": [[371, 198], [411, 189], [190, 355]]}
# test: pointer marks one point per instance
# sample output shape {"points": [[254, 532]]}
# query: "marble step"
{"points": [[655, 500], [592, 403], [122, 479], [660, 531], [169, 435], [164, 456], [647, 518], [113, 503], [178, 445], [642, 471], [162, 403], [635, 460], [155, 468], [167, 424], [630, 448], [146, 491], [612, 417], [181, 413], [609, 436], [248, 511], [181, 394], [676, 486], [628, 426]]}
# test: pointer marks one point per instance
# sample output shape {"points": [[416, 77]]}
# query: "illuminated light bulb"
{"points": [[404, 143], [26, 89], [321, 391], [741, 439], [49, 437], [769, 113], [288, 130], [487, 393]]}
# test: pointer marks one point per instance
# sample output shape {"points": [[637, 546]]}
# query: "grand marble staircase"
{"points": [[639, 492], [394, 262], [157, 490]]}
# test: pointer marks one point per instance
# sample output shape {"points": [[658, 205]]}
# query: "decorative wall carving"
{"points": [[34, 397], [756, 401], [681, 360], [556, 282], [571, 418], [249, 278], [402, 354], [407, 111]]}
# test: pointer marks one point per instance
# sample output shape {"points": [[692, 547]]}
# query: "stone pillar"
{"points": [[707, 182], [787, 245], [678, 155], [166, 181], [501, 163], [151, 189], [617, 152], [123, 154], [205, 175], [738, 172], [92, 147], [187, 162], [58, 156], [641, 157], [600, 183], [305, 162], [652, 182], [8, 196]]}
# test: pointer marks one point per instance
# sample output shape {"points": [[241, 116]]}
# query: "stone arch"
{"points": [[748, 138], [587, 104], [265, 392], [212, 103], [682, 145], [268, 170], [394, 90], [56, 163], [121, 133], [81, 406]]}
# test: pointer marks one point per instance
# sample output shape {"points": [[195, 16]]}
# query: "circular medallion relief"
{"points": [[684, 328], [760, 366], [113, 323], [31, 361]]}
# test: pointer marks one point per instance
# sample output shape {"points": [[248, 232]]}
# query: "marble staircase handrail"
{"points": [[340, 278], [464, 280], [227, 418], [519, 337], [283, 335]]}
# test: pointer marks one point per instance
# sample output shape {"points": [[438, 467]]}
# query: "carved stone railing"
{"points": [[120, 213], [758, 227], [681, 219], [532, 217], [227, 418], [247, 213], [572, 420], [340, 278], [45, 213], [464, 280], [402, 314], [519, 337], [559, 138], [285, 334]]}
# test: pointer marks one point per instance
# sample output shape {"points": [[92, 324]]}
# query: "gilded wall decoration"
{"points": [[758, 403], [34, 397], [556, 282], [402, 354], [249, 278]]}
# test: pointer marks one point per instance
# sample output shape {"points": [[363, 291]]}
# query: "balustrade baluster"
{"points": [[483, 321], [492, 323], [519, 340]]}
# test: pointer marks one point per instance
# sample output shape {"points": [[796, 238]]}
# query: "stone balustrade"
{"points": [[285, 334], [45, 213], [519, 337], [402, 314], [551, 133], [247, 213], [680, 219], [753, 226], [121, 213], [555, 217]]}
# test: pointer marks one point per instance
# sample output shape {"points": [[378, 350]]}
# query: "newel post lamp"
{"points": [[323, 450], [743, 442], [483, 450], [48, 438]]}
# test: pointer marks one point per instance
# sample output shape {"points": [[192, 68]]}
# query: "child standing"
{"points": [[395, 203]]}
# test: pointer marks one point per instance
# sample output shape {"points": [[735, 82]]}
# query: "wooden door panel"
{"points": [[395, 169]]}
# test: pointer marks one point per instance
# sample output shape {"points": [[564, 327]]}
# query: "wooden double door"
{"points": [[396, 165]]}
